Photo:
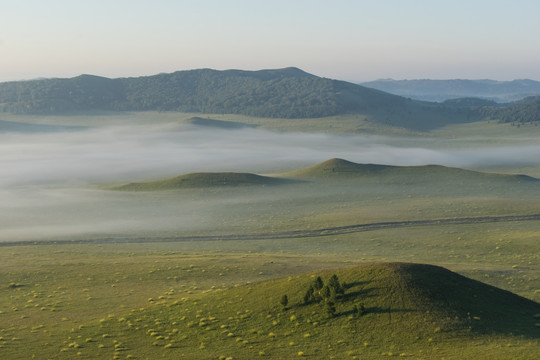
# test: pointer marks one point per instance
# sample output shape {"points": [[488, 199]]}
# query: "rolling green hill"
{"points": [[333, 169], [409, 310], [339, 168], [203, 180]]}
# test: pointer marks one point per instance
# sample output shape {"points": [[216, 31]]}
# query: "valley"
{"points": [[147, 235], [152, 269]]}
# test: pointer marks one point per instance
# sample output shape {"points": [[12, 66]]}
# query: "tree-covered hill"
{"points": [[520, 112], [285, 93], [281, 93]]}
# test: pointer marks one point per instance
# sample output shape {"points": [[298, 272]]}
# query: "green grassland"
{"points": [[489, 132], [164, 300], [182, 298], [195, 292]]}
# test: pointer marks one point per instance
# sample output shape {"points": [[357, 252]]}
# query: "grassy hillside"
{"points": [[339, 168], [410, 310], [331, 169], [203, 180]]}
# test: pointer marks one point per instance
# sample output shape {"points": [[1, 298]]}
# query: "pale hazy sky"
{"points": [[343, 39]]}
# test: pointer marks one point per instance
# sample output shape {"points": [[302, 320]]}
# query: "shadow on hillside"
{"points": [[362, 294], [377, 310], [354, 284]]}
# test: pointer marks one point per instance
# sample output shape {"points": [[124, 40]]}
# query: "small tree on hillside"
{"points": [[310, 295], [334, 284], [284, 301], [318, 284], [326, 293], [330, 308]]}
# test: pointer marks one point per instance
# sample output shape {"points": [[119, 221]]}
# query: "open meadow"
{"points": [[91, 270]]}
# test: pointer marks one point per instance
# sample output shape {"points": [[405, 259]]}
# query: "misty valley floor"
{"points": [[59, 299]]}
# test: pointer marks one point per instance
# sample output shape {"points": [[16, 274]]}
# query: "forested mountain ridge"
{"points": [[284, 93], [281, 93]]}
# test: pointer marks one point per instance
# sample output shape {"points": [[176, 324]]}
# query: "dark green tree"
{"points": [[318, 284], [326, 293], [284, 301], [310, 295], [334, 284], [330, 308]]}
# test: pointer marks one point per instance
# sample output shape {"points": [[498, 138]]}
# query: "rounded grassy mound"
{"points": [[411, 310], [203, 180], [340, 168]]}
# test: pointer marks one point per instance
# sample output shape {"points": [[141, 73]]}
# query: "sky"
{"points": [[353, 40]]}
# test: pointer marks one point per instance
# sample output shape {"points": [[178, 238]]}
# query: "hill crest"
{"points": [[336, 167]]}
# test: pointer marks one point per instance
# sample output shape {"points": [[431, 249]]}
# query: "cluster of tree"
{"points": [[327, 295], [521, 112]]}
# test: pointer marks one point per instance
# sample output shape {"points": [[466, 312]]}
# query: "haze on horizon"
{"points": [[348, 40]]}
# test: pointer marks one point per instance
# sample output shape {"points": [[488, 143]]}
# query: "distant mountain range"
{"points": [[441, 90], [283, 93]]}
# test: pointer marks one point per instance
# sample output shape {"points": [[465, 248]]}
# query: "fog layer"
{"points": [[50, 182], [146, 152]]}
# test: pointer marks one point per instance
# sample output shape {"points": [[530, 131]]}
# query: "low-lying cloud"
{"points": [[146, 152], [49, 181]]}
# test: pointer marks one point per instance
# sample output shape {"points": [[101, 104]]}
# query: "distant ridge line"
{"points": [[339, 230]]}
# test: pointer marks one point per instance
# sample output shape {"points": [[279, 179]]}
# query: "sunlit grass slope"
{"points": [[202, 180], [411, 310], [330, 169], [335, 168]]}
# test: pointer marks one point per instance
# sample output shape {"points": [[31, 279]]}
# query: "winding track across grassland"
{"points": [[287, 234]]}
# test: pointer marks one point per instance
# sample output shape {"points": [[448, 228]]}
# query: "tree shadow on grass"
{"points": [[363, 294], [376, 310]]}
